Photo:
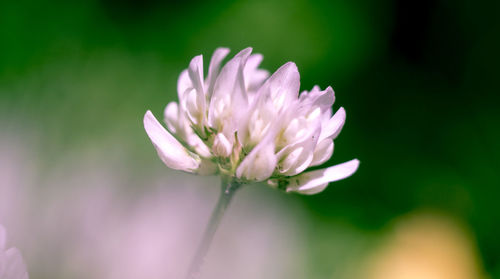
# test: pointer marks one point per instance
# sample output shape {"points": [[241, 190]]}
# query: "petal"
{"points": [[222, 146], [171, 152], [214, 68], [183, 83], [325, 99], [254, 77], [308, 181], [229, 93], [195, 72], [259, 164], [282, 87], [322, 152], [298, 156], [171, 116], [314, 190], [332, 127], [15, 267]]}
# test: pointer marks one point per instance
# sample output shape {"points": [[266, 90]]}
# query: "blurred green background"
{"points": [[419, 81]]}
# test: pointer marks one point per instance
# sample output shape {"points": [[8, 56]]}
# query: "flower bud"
{"points": [[222, 147]]}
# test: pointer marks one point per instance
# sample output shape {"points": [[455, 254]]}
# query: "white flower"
{"points": [[240, 122], [11, 263]]}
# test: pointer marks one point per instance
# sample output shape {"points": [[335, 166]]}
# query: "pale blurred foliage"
{"points": [[425, 245], [88, 215], [95, 213]]}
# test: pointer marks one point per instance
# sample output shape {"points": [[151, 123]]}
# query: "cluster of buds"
{"points": [[242, 123]]}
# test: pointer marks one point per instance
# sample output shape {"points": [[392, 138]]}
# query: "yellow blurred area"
{"points": [[425, 245]]}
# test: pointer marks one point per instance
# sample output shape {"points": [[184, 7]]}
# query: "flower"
{"points": [[11, 263], [241, 122]]}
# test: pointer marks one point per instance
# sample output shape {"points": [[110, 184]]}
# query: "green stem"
{"points": [[228, 188]]}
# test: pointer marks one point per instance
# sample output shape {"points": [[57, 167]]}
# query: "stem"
{"points": [[228, 188]]}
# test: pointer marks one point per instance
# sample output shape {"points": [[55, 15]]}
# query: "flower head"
{"points": [[243, 123], [11, 263]]}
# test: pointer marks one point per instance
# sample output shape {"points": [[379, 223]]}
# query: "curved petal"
{"points": [[308, 181], [314, 190], [322, 152], [333, 126], [214, 68], [171, 152], [195, 72], [229, 93], [171, 116], [183, 84], [259, 164], [282, 87], [296, 157], [222, 146]]}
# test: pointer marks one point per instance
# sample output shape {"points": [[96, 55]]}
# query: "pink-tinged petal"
{"points": [[195, 98], [253, 62], [228, 92], [333, 126], [322, 152], [259, 164], [296, 157], [214, 68], [315, 190], [15, 268], [254, 77], [195, 72], [222, 146], [171, 152], [325, 98], [171, 116], [282, 87], [316, 98], [308, 181], [183, 83]]}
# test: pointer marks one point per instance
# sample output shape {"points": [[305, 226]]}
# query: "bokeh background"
{"points": [[83, 194]]}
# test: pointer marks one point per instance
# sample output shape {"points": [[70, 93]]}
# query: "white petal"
{"points": [[195, 72], [254, 77], [325, 99], [314, 190], [259, 164], [228, 93], [171, 116], [254, 127], [253, 62], [298, 156], [322, 152], [214, 68], [196, 143], [308, 181], [222, 146], [282, 87], [183, 83], [333, 126], [171, 152], [15, 267]]}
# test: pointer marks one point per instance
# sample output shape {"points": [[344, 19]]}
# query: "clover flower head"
{"points": [[243, 123], [11, 262]]}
